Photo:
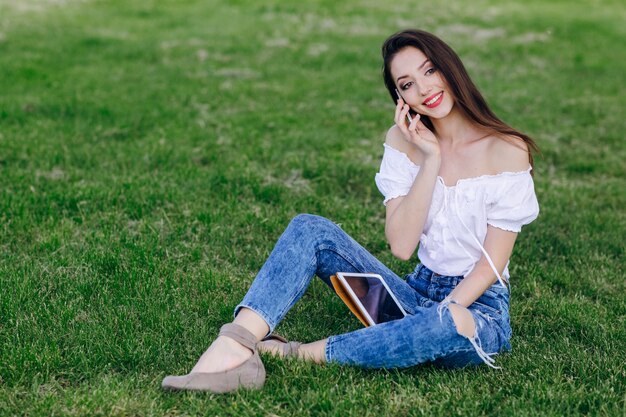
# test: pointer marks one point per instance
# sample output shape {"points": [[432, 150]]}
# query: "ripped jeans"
{"points": [[312, 245]]}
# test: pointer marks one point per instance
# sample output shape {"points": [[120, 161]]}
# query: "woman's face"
{"points": [[420, 83]]}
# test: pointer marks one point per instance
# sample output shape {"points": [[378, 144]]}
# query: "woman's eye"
{"points": [[431, 71], [405, 86]]}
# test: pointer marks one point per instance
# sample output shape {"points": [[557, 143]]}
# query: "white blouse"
{"points": [[455, 229]]}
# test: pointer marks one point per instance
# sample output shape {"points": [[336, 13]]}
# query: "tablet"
{"points": [[372, 297]]}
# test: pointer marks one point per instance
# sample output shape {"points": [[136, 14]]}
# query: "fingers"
{"points": [[424, 132], [409, 130], [413, 125], [414, 129], [401, 117], [422, 126], [399, 107]]}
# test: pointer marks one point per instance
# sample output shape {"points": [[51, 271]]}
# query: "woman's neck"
{"points": [[456, 129]]}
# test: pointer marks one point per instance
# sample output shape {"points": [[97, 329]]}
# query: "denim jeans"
{"points": [[312, 245]]}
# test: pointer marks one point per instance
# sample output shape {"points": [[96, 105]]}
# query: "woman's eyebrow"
{"points": [[418, 68]]}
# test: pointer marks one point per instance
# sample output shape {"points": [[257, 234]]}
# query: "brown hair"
{"points": [[445, 60]]}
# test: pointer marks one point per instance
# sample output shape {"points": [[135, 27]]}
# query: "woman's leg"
{"points": [[428, 335], [311, 245], [433, 331]]}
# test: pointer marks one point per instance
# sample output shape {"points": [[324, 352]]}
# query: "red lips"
{"points": [[436, 102]]}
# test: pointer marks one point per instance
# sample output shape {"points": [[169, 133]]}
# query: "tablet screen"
{"points": [[374, 297]]}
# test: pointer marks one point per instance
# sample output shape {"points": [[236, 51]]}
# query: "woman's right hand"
{"points": [[416, 132]]}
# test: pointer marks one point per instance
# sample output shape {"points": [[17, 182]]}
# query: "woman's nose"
{"points": [[422, 88]]}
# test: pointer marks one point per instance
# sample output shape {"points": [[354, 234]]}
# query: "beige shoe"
{"points": [[250, 374], [287, 349]]}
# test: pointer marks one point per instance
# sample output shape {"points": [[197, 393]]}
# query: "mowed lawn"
{"points": [[151, 153]]}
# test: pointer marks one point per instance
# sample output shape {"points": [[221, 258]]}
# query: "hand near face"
{"points": [[416, 132]]}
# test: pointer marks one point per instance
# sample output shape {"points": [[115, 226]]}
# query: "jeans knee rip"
{"points": [[474, 340]]}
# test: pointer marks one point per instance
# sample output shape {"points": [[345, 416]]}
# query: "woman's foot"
{"points": [[230, 363], [223, 354], [278, 346]]}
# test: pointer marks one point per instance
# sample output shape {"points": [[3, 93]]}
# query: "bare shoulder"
{"points": [[509, 153], [395, 139]]}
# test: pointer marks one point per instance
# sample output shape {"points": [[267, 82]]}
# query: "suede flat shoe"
{"points": [[250, 374], [288, 349]]}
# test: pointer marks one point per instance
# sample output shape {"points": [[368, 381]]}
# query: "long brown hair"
{"points": [[445, 60]]}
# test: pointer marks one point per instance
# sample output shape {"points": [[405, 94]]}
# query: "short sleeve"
{"points": [[513, 203], [396, 174]]}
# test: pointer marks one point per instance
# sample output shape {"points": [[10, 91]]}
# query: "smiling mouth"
{"points": [[433, 101]]}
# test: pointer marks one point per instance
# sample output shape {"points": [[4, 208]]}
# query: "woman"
{"points": [[457, 181]]}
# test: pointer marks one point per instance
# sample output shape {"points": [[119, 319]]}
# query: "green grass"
{"points": [[151, 153]]}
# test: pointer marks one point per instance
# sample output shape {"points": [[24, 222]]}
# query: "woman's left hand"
{"points": [[416, 132], [423, 138]]}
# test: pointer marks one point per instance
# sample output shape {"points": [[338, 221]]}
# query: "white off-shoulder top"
{"points": [[455, 229]]}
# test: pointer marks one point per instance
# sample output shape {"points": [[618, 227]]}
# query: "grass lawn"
{"points": [[151, 153]]}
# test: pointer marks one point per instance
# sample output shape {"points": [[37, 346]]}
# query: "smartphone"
{"points": [[408, 116], [372, 297]]}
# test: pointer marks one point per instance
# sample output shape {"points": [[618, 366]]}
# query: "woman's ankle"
{"points": [[314, 351], [252, 322]]}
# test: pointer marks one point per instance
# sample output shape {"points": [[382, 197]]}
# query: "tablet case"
{"points": [[347, 299]]}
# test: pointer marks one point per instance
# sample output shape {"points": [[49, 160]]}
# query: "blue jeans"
{"points": [[312, 245]]}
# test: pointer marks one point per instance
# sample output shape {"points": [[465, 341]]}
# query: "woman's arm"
{"points": [[508, 154], [499, 245], [406, 216]]}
